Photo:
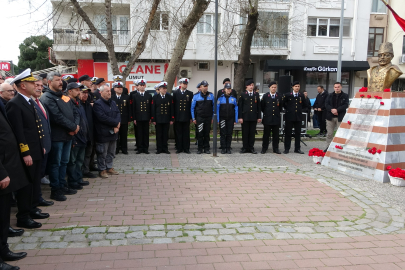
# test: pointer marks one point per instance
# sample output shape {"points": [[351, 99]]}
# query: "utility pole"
{"points": [[215, 139], [339, 67]]}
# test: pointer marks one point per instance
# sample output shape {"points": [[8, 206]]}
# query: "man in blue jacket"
{"points": [[107, 120], [74, 167], [227, 109], [202, 110]]}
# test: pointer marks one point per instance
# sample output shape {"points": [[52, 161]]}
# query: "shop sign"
{"points": [[146, 71], [320, 69]]}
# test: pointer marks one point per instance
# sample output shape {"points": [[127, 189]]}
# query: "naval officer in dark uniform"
{"points": [[293, 104], [122, 102], [249, 115], [162, 117], [271, 106], [182, 113], [141, 115]]}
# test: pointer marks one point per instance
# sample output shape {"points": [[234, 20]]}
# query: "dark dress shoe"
{"points": [[187, 152], [39, 215], [243, 151], [286, 151], [136, 149], [277, 151], [89, 175], [42, 202], [94, 169], [157, 152], [199, 152], [28, 224], [84, 183], [125, 152], [253, 151], [207, 152], [178, 151], [229, 151], [146, 152], [223, 151], [68, 191], [11, 256], [167, 152], [58, 196], [138, 152], [298, 151], [5, 266], [75, 187], [263, 151], [15, 232]]}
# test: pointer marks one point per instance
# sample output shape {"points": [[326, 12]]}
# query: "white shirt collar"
{"points": [[25, 97]]}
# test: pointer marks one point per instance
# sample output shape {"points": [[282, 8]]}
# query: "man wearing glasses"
{"points": [[6, 93]]}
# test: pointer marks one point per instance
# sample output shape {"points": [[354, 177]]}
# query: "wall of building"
{"points": [[395, 33]]}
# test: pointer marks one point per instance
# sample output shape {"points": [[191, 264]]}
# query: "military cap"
{"points": [[136, 82], [204, 82], [198, 85], [100, 80], [43, 75], [72, 85], [25, 76], [142, 82], [162, 84], [295, 83], [184, 80], [118, 84], [228, 86], [84, 78], [249, 82], [71, 80], [67, 77], [84, 88], [94, 79], [117, 78]]}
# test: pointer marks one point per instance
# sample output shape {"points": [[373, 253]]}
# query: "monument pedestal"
{"points": [[367, 124]]}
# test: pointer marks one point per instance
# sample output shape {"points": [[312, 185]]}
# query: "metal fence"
{"points": [[87, 37], [271, 41]]}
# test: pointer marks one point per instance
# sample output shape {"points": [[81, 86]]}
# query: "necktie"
{"points": [[39, 105], [250, 94], [142, 95], [295, 95], [272, 96], [163, 96], [182, 92]]}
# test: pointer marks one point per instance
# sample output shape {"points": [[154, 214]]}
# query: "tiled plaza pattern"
{"points": [[287, 215]]}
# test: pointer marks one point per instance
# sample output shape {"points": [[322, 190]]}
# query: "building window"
{"points": [[378, 6], [327, 27], [206, 24], [160, 21], [375, 38], [120, 24]]}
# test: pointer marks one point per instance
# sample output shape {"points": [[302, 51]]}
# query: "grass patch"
{"points": [[185, 234], [144, 232]]}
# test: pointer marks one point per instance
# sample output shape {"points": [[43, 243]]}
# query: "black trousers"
{"points": [[274, 129], [288, 133], [182, 133], [196, 132], [35, 174], [225, 130], [162, 136], [122, 142], [136, 135], [204, 128], [5, 209], [143, 135], [322, 121], [248, 134], [24, 202]]}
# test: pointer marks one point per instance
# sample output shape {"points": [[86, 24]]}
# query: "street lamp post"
{"points": [[215, 139], [339, 67]]}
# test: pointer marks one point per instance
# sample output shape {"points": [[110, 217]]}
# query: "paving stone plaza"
{"points": [[236, 211]]}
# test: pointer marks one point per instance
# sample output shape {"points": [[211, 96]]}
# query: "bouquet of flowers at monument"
{"points": [[397, 176], [317, 155]]}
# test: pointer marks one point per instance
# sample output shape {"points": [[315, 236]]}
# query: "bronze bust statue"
{"points": [[382, 76]]}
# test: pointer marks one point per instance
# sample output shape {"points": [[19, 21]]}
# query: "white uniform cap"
{"points": [[117, 78], [117, 84], [184, 80], [25, 76]]}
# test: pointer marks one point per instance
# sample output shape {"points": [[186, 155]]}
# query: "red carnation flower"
{"points": [[368, 96], [349, 122], [363, 89], [379, 151], [376, 97], [379, 97], [362, 96], [382, 103], [370, 151], [387, 90], [389, 167]]}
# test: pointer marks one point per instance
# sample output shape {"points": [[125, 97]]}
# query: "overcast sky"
{"points": [[21, 19]]}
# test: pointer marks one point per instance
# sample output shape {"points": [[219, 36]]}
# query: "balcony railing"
{"points": [[271, 41], [87, 37]]}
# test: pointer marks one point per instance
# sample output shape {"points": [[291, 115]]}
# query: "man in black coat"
{"points": [[107, 121], [46, 135], [249, 115], [222, 91], [271, 106], [27, 126], [320, 109], [90, 151], [13, 177], [141, 114], [122, 101], [137, 88], [182, 99], [336, 105], [65, 122], [162, 117], [293, 103]]}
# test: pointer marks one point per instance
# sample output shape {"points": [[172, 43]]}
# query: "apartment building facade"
{"points": [[297, 38]]}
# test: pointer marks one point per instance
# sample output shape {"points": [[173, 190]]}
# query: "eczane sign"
{"points": [[146, 71]]}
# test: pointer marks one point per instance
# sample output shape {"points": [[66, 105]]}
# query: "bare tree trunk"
{"points": [[109, 41], [185, 31], [244, 56]]}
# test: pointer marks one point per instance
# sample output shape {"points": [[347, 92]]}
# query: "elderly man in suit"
{"points": [[28, 129]]}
